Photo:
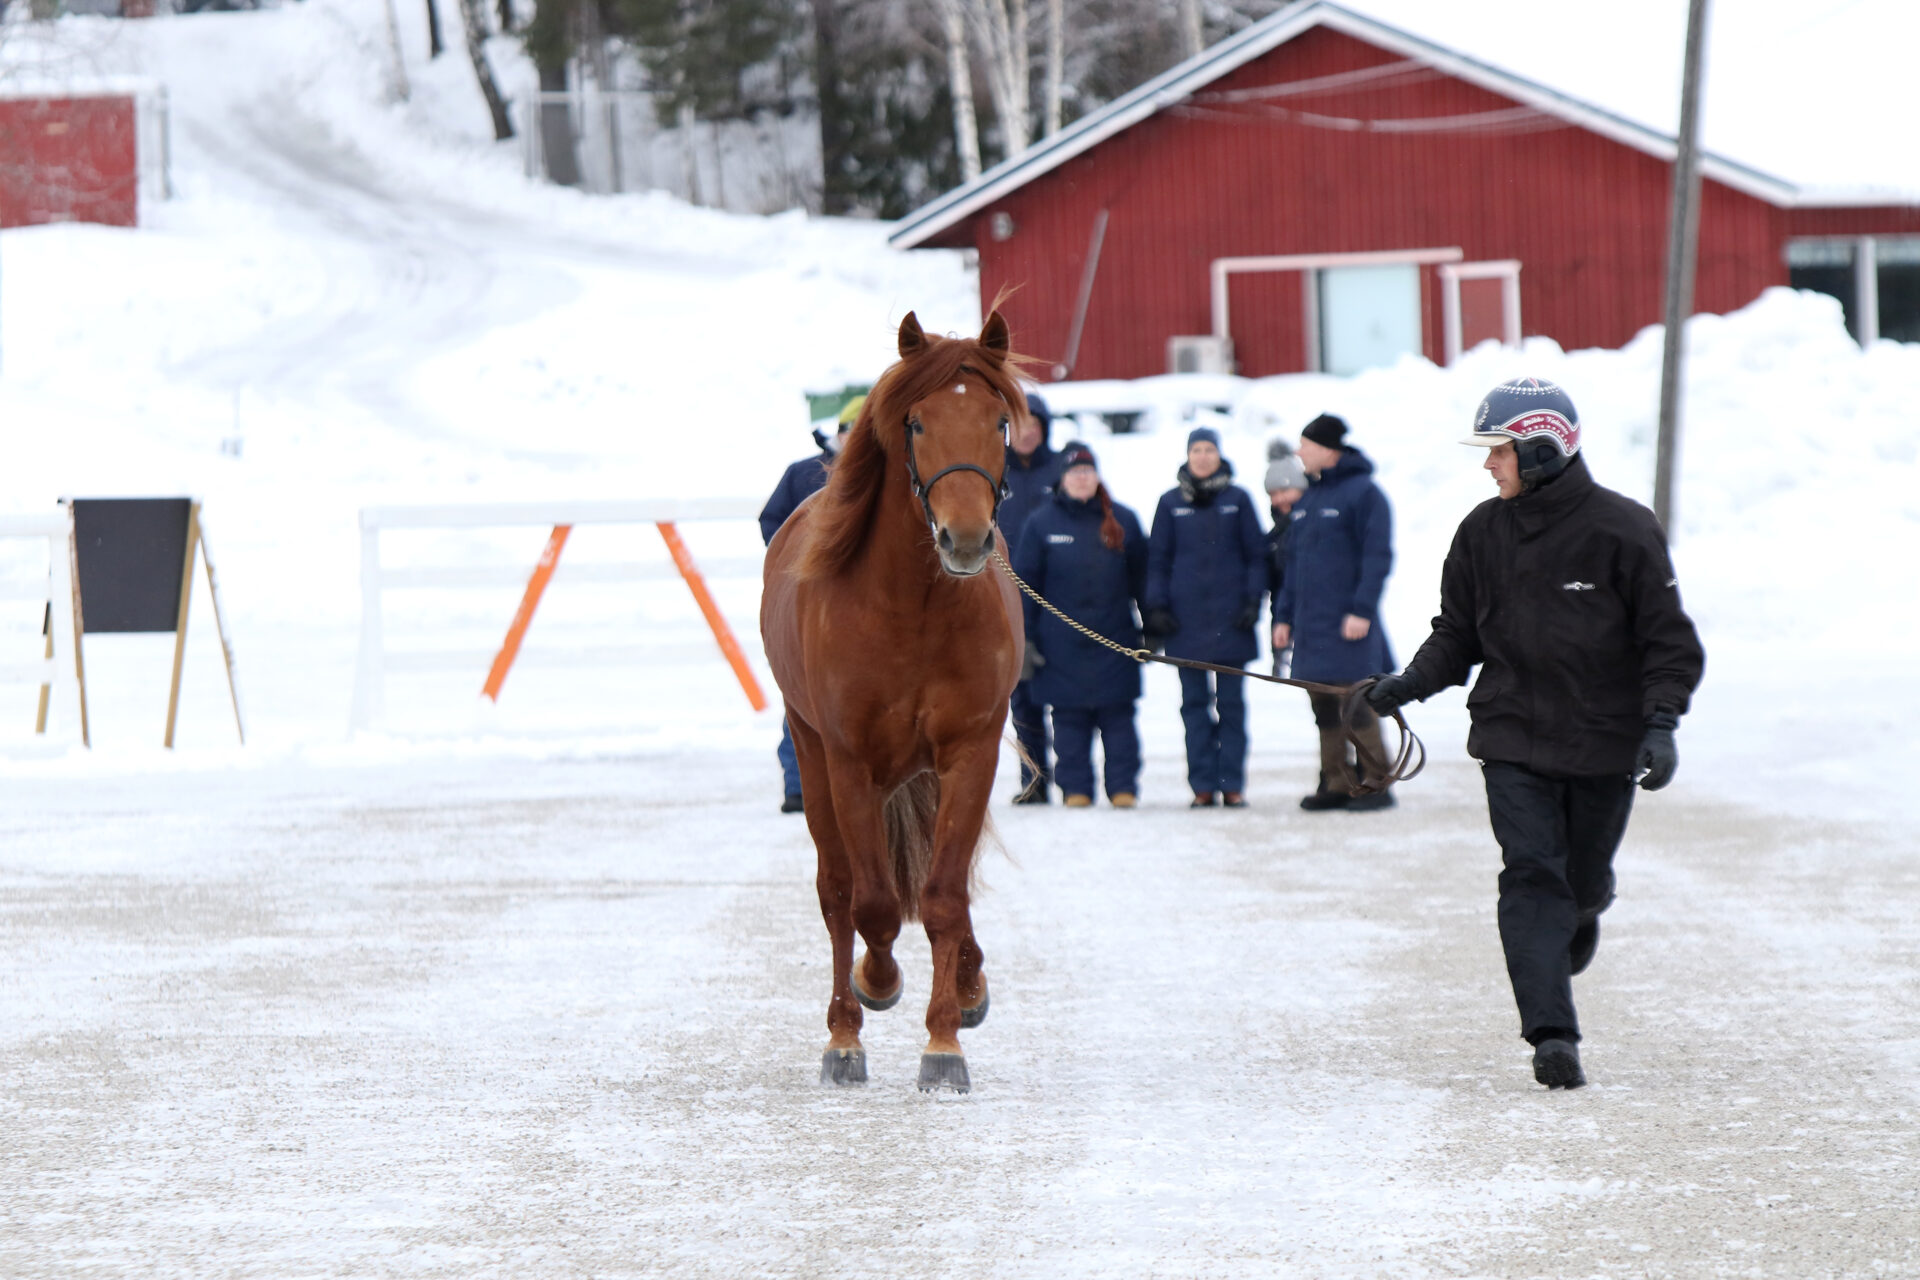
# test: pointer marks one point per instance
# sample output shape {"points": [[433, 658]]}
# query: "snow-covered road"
{"points": [[538, 988], [564, 1018]]}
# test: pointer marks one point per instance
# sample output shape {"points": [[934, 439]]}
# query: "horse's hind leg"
{"points": [[959, 996], [845, 1061]]}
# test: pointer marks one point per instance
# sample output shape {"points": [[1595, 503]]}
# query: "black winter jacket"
{"points": [[1566, 599]]}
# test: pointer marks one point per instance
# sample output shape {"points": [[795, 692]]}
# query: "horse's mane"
{"points": [[839, 517]]}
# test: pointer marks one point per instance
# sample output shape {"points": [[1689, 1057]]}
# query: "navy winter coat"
{"points": [[1338, 558], [1030, 480], [1061, 556], [802, 480], [1206, 563]]}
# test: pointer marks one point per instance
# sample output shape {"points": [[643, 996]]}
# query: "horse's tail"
{"points": [[909, 814]]}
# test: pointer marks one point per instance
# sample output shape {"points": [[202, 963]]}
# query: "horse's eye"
{"points": [[1004, 422], [913, 425]]}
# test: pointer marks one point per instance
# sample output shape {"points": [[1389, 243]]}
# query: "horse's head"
{"points": [[956, 441]]}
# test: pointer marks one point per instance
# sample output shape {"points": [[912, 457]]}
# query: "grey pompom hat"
{"points": [[1283, 468]]}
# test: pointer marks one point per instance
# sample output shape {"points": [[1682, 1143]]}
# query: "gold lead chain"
{"points": [[1138, 655]]}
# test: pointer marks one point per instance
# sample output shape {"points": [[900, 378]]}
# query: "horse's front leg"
{"points": [[959, 996]]}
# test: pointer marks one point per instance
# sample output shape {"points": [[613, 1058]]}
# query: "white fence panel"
{"points": [[376, 661]]}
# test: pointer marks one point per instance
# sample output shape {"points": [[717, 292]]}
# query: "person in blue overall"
{"points": [[801, 481], [1328, 609], [1206, 576], [1088, 555], [1033, 468]]}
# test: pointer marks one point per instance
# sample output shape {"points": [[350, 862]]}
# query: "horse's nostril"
{"points": [[946, 540]]}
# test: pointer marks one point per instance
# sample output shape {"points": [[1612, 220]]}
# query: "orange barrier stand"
{"points": [[536, 587], [721, 632]]}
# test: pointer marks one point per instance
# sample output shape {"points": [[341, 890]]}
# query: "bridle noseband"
{"points": [[923, 490]]}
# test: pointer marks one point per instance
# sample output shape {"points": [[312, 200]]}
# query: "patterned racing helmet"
{"points": [[1540, 420]]}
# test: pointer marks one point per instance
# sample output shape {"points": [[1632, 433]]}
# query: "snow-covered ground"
{"points": [[538, 988]]}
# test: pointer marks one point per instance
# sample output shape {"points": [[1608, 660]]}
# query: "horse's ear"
{"points": [[912, 340], [993, 335]]}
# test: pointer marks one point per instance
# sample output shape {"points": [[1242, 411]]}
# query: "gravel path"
{"points": [[532, 1019]]}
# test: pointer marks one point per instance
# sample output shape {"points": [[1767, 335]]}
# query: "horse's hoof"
{"points": [[843, 1066], [878, 1006], [943, 1071], [973, 1017]]}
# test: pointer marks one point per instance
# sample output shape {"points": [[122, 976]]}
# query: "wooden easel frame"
{"points": [[197, 542], [63, 574]]}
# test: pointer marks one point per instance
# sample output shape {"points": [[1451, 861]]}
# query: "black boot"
{"points": [[794, 803], [1371, 802], [1556, 1064], [1324, 799]]}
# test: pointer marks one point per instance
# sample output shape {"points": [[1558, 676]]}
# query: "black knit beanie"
{"points": [[1326, 430]]}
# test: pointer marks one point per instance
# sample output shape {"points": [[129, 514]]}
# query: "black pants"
{"points": [[1557, 839]]}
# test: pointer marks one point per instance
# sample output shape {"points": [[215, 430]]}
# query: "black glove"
{"points": [[1653, 767], [1388, 693], [1031, 661], [1248, 615], [1161, 622]]}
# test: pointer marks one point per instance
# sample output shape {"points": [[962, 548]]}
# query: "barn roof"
{"points": [[1801, 99], [21, 88]]}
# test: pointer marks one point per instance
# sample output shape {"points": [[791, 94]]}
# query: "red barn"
{"points": [[1328, 191], [81, 154]]}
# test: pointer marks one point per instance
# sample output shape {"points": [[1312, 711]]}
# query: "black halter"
{"points": [[924, 489]]}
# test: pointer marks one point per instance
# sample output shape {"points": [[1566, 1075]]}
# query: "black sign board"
{"points": [[133, 561], [134, 572]]}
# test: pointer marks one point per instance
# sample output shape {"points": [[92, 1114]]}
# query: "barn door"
{"points": [[1369, 316], [1478, 301]]}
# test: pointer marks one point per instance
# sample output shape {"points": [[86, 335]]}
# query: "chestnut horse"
{"points": [[896, 656]]}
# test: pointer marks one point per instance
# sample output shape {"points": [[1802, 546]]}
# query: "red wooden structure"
{"points": [[87, 154], [1226, 198]]}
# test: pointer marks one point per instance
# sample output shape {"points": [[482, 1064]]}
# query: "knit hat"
{"points": [[1076, 454], [1284, 470], [1207, 434], [1326, 430], [1041, 413]]}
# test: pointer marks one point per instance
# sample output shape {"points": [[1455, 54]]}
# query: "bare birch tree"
{"points": [[1002, 27], [476, 23], [966, 128], [1056, 53]]}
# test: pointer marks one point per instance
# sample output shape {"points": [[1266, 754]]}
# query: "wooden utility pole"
{"points": [[1683, 238]]}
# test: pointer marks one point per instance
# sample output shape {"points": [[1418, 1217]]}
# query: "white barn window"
{"points": [[1876, 279]]}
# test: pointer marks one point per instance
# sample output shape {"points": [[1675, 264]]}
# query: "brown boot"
{"points": [[1333, 773]]}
